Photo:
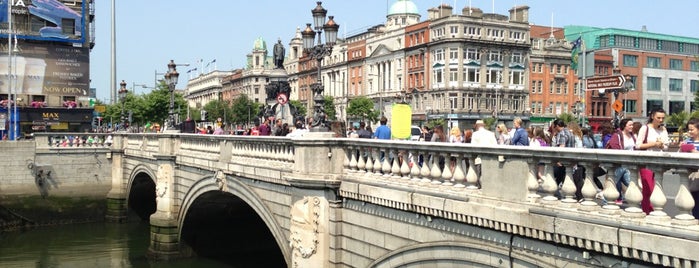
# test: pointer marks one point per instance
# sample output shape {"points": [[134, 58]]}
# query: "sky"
{"points": [[151, 33]]}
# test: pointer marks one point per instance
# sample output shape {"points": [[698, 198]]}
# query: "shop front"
{"points": [[55, 120]]}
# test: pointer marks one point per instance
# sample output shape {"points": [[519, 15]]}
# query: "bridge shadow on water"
{"points": [[223, 227]]}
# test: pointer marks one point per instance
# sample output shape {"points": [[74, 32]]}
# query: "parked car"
{"points": [[415, 133]]}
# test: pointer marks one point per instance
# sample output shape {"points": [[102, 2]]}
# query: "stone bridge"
{"points": [[335, 202]]}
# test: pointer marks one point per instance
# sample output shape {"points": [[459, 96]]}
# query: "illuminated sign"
{"points": [[48, 20]]}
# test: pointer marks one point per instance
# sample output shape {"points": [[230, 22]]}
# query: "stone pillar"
{"points": [[117, 209], [164, 244], [316, 182]]}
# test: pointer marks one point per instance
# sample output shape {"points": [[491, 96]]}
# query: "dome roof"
{"points": [[260, 44], [403, 7]]}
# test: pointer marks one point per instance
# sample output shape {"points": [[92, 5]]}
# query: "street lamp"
{"points": [[171, 79], [318, 52], [122, 97]]}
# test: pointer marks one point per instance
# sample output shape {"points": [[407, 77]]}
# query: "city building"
{"points": [[46, 70], [664, 69], [553, 85]]}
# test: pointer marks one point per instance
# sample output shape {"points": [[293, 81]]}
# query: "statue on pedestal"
{"points": [[279, 55]]}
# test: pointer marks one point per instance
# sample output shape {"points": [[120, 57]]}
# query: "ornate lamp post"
{"points": [[171, 79], [318, 52], [122, 97]]}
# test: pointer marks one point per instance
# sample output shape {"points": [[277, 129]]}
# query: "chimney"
{"points": [[519, 14], [644, 29]]}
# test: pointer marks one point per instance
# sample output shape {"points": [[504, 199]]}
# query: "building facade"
{"points": [[553, 85], [664, 69]]}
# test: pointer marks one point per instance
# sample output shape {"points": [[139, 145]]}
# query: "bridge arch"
{"points": [[213, 185], [470, 253], [140, 192]]}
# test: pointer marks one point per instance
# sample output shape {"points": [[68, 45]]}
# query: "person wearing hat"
{"points": [[482, 136]]}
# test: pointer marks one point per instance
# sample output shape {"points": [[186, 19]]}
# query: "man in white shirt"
{"points": [[482, 136]]}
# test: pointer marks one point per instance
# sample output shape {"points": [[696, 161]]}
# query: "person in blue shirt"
{"points": [[383, 132], [520, 138]]}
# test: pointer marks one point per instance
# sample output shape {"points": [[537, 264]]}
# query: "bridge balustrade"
{"points": [[448, 167]]}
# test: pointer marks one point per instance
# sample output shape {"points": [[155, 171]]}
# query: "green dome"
{"points": [[260, 44], [403, 7]]}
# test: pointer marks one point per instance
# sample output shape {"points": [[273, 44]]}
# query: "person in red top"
{"points": [[264, 128], [255, 131]]}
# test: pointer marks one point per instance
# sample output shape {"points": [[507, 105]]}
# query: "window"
{"points": [[516, 77], [472, 54], [453, 101], [624, 41], [454, 30], [541, 86], [558, 88], [676, 107], [494, 76], [632, 79], [653, 83], [694, 85], [629, 106], [517, 57], [495, 56], [647, 44], [631, 60], [694, 66], [653, 104], [438, 55], [675, 85], [453, 75], [473, 74], [439, 75], [675, 64], [551, 88], [453, 55], [653, 62]]}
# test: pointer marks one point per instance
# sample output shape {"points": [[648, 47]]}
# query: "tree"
{"points": [[217, 109], [329, 107], [300, 107], [244, 110], [678, 120], [363, 107], [566, 117], [490, 122]]}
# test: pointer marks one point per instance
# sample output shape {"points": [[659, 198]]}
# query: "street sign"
{"points": [[605, 82]]}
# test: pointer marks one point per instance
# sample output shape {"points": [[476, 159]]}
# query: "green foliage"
{"points": [[363, 107], [567, 117], [329, 107], [436, 122], [152, 107], [678, 120], [300, 107], [217, 109], [244, 110], [490, 122]]}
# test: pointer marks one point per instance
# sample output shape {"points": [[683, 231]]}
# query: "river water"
{"points": [[86, 245]]}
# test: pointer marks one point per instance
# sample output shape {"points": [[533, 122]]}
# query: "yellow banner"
{"points": [[401, 121]]}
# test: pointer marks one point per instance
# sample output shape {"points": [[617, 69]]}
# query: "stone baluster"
{"points": [[549, 186], [405, 165], [361, 163], [633, 195], [447, 174], [435, 171], [588, 188], [377, 163], [471, 175], [610, 192], [684, 201], [568, 189], [459, 175], [425, 170], [353, 159], [395, 165], [657, 197], [532, 182], [415, 169], [348, 156], [386, 162]]}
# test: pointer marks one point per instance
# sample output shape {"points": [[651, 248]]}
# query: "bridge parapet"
{"points": [[440, 180]]}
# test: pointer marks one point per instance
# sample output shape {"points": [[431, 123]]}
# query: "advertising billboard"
{"points": [[46, 69], [46, 20]]}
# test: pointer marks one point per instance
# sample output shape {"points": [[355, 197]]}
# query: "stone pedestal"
{"points": [[117, 208], [164, 241]]}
